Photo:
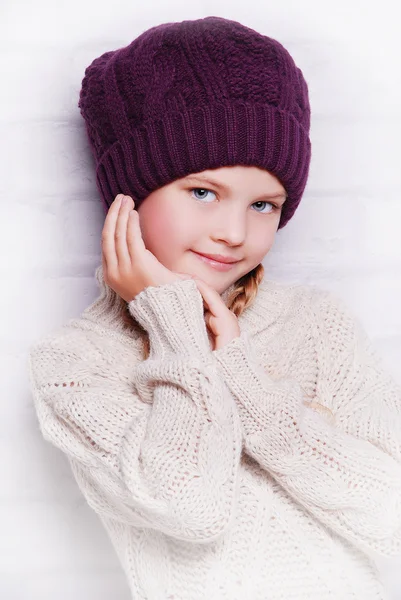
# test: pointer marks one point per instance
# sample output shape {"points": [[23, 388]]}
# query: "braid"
{"points": [[245, 290]]}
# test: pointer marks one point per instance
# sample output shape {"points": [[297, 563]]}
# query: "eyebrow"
{"points": [[226, 189]]}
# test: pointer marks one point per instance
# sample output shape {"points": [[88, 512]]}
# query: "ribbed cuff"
{"points": [[239, 365], [233, 358], [173, 316]]}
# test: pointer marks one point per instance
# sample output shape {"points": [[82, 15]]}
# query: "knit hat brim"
{"points": [[207, 137]]}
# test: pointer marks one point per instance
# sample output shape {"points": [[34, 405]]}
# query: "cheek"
{"points": [[156, 229], [164, 231], [261, 242]]}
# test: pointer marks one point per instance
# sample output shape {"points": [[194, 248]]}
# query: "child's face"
{"points": [[239, 222]]}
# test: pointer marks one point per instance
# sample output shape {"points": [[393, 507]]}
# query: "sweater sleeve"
{"points": [[155, 444], [345, 470]]}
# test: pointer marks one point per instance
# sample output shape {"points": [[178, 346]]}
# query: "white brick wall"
{"points": [[345, 235]]}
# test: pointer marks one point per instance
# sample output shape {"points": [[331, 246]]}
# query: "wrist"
{"points": [[172, 314]]}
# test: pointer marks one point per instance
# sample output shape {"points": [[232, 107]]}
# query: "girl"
{"points": [[238, 437]]}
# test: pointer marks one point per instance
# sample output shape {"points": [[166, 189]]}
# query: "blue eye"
{"points": [[205, 190], [275, 207], [201, 189]]}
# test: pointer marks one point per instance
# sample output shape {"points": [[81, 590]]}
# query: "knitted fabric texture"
{"points": [[195, 95], [213, 474]]}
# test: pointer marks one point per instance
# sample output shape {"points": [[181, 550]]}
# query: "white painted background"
{"points": [[345, 235]]}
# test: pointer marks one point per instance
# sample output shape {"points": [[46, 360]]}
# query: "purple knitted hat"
{"points": [[195, 95]]}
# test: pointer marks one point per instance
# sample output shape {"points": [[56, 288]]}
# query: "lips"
{"points": [[214, 264], [219, 258]]}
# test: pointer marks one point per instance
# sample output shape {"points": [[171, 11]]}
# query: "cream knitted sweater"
{"points": [[214, 473]]}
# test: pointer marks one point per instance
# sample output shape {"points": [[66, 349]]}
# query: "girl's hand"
{"points": [[220, 320], [128, 266]]}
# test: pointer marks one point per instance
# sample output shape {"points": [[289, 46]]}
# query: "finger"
{"points": [[135, 243], [120, 235], [208, 318], [212, 299], [108, 245]]}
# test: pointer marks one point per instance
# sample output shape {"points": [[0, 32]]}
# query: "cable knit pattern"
{"points": [[265, 470]]}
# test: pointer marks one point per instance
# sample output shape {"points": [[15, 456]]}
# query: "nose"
{"points": [[231, 227]]}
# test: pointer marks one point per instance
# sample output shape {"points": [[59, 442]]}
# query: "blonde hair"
{"points": [[242, 296]]}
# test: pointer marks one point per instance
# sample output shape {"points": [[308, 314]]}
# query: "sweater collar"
{"points": [[108, 309]]}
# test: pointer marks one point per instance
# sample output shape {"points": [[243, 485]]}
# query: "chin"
{"points": [[218, 280]]}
